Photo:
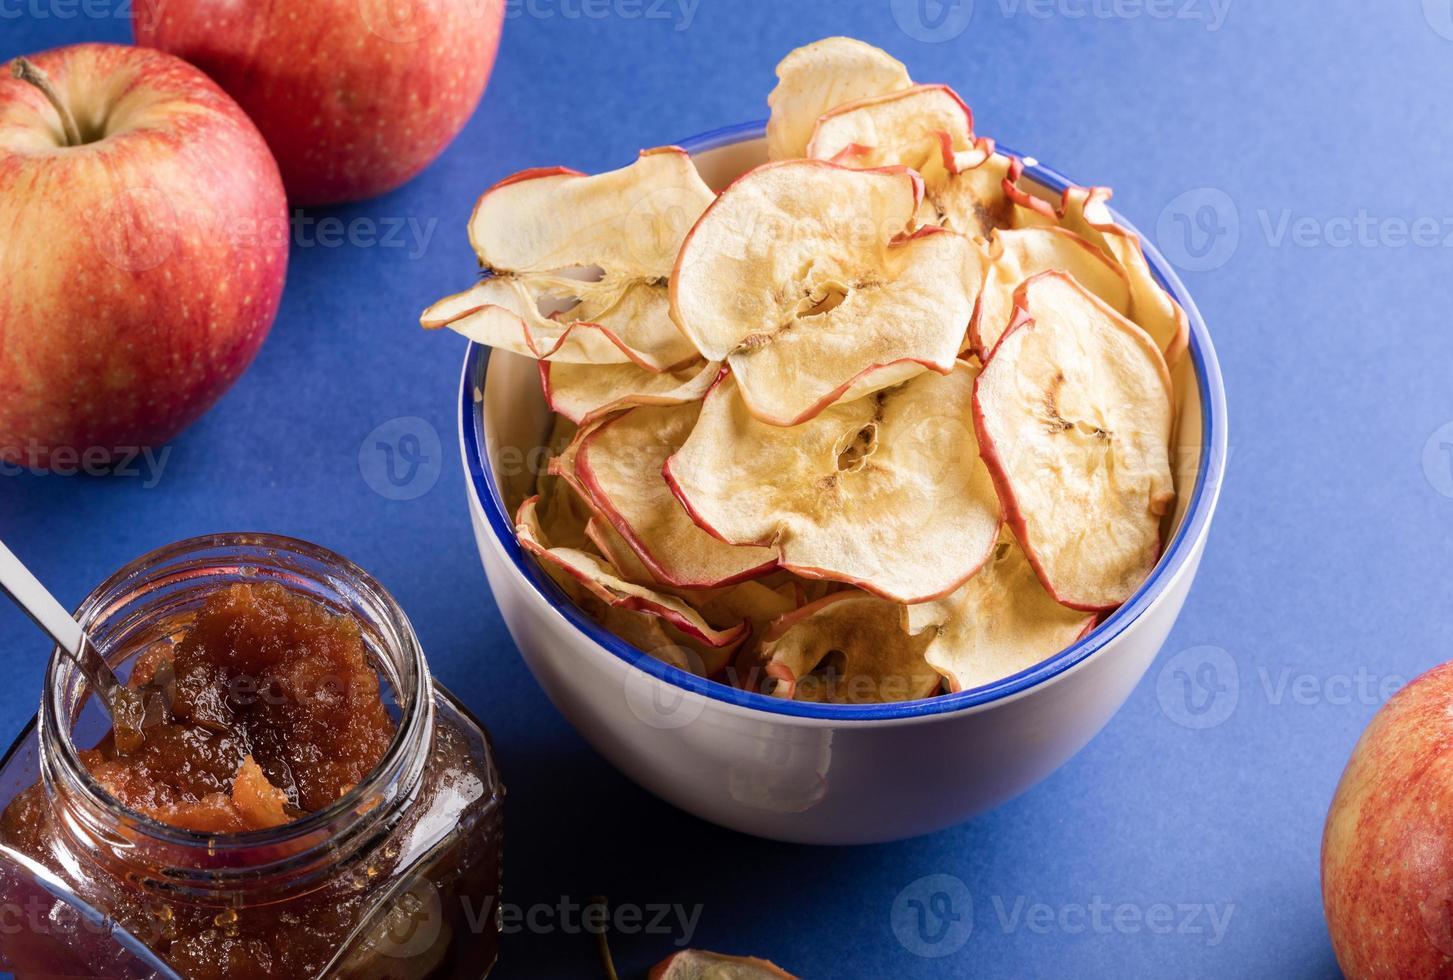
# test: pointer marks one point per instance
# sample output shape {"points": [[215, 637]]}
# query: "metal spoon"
{"points": [[127, 706]]}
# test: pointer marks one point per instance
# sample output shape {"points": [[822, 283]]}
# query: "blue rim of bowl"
{"points": [[1176, 555]]}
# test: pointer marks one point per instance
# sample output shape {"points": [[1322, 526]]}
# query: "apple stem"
{"points": [[23, 69]]}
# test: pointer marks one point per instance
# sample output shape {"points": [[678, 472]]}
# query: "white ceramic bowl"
{"points": [[823, 774]]}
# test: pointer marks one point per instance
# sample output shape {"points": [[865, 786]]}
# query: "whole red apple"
{"points": [[143, 252], [1387, 850], [355, 97]]}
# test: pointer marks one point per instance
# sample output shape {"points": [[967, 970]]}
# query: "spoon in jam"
{"points": [[132, 709]]}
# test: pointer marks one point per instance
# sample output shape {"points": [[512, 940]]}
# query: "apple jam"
{"points": [[279, 818], [274, 712]]}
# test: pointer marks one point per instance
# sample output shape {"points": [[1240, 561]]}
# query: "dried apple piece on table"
{"points": [[695, 964], [604, 582], [577, 265], [586, 392], [996, 624], [886, 492], [1074, 414], [620, 465], [801, 278], [849, 648], [1086, 212], [1017, 255], [814, 78]]}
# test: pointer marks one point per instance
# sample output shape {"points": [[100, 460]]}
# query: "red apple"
{"points": [[144, 249], [355, 97], [1387, 851]]}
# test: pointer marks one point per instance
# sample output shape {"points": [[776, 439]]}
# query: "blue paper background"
{"points": [[1322, 582]]}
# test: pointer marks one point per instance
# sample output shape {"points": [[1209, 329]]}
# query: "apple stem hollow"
{"points": [[23, 69]]}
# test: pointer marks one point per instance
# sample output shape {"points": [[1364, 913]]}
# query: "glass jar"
{"points": [[398, 878]]}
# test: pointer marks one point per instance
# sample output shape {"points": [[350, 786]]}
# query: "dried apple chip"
{"points": [[1021, 254], [911, 128], [1074, 414], [929, 129], [617, 551], [886, 492], [819, 76], [849, 648], [620, 466], [752, 601], [996, 624], [654, 636], [1085, 211], [584, 393], [577, 265], [801, 278], [604, 582], [965, 190]]}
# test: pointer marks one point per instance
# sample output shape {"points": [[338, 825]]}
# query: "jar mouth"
{"points": [[200, 564]]}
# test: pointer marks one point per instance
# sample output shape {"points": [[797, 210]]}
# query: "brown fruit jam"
{"points": [[306, 802]]}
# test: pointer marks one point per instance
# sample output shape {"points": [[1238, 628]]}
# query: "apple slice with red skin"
{"points": [[604, 582], [887, 493], [620, 466], [929, 129], [585, 393], [595, 250], [996, 624], [1085, 211], [801, 277], [617, 551], [658, 638], [965, 189], [1019, 254], [906, 128], [849, 648], [816, 77], [1074, 414]]}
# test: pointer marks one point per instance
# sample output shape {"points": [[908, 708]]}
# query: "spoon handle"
{"points": [[25, 589]]}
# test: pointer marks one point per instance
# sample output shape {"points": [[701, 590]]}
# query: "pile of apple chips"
{"points": [[873, 423]]}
